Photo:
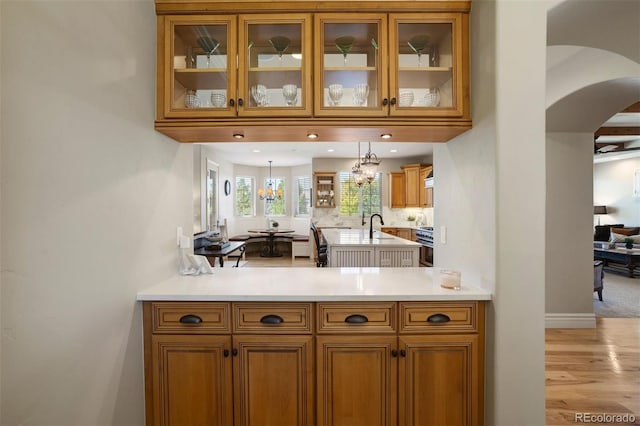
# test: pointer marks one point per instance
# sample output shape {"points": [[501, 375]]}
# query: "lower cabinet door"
{"points": [[273, 380], [438, 375], [191, 380], [357, 379]]}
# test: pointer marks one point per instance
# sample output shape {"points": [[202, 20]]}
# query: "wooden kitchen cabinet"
{"points": [[426, 191], [314, 363], [191, 380], [378, 62], [426, 52], [413, 186], [436, 378], [273, 380], [203, 79], [325, 187], [398, 232], [407, 188], [357, 380], [397, 189], [438, 365], [199, 370], [350, 60], [441, 363], [196, 64]]}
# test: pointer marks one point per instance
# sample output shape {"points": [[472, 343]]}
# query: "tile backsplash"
{"points": [[392, 217]]}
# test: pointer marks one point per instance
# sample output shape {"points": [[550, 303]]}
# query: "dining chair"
{"points": [[322, 259]]}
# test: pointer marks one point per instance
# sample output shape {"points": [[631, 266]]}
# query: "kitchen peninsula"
{"points": [[355, 248], [297, 345]]}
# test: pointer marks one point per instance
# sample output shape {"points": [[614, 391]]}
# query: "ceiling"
{"points": [[287, 154], [621, 133], [612, 54]]}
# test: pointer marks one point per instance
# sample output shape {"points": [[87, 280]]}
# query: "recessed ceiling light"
{"points": [[393, 150], [331, 150], [386, 136], [256, 150], [312, 135]]}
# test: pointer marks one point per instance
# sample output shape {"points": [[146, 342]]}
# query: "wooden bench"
{"points": [[299, 243], [300, 246]]}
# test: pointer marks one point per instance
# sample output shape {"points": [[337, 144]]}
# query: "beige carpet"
{"points": [[621, 297]]}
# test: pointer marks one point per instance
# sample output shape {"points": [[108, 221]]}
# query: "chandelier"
{"points": [[356, 171], [369, 164], [269, 194]]}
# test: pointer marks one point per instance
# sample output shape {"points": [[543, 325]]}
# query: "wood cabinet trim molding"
{"points": [[165, 7]]}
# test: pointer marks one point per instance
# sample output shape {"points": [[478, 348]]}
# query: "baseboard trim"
{"points": [[570, 320]]}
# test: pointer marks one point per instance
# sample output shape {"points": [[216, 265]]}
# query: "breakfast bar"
{"points": [[294, 346], [362, 248]]}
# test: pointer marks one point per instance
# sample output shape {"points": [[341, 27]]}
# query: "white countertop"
{"points": [[311, 285], [360, 237]]}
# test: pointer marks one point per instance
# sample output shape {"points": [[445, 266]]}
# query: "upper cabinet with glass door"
{"points": [[350, 64], [426, 52], [274, 65], [199, 63]]}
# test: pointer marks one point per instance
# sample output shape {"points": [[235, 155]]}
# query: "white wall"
{"points": [[613, 187], [569, 231], [91, 197]]}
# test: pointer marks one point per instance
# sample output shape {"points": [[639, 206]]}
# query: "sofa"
{"points": [[616, 236]]}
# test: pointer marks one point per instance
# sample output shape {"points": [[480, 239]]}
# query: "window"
{"points": [[244, 196], [302, 196], [212, 195], [356, 200], [275, 207]]}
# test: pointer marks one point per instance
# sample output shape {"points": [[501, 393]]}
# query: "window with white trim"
{"points": [[302, 196], [355, 200], [245, 196]]}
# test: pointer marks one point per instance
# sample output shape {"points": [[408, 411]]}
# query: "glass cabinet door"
{"points": [[274, 65], [426, 56], [351, 69], [201, 62]]}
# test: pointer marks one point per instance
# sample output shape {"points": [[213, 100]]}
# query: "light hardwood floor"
{"points": [[593, 371]]}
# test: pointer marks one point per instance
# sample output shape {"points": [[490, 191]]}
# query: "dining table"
{"points": [[270, 249], [212, 253]]}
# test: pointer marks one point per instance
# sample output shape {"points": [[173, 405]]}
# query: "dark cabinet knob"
{"points": [[240, 102], [394, 353], [225, 353], [438, 318], [232, 102], [356, 319], [190, 319], [393, 101], [234, 352], [403, 353], [385, 102], [271, 319]]}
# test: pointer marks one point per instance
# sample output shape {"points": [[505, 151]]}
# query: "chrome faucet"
{"points": [[371, 224]]}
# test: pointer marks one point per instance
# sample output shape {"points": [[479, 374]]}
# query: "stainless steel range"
{"points": [[424, 236]]}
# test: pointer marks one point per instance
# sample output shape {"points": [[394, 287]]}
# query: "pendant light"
{"points": [[269, 194], [356, 171], [369, 165]]}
